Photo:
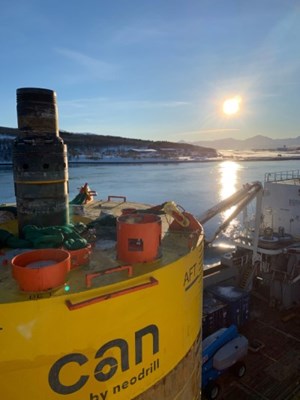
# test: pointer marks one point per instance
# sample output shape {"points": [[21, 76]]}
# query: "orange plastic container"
{"points": [[40, 270], [80, 257], [138, 237]]}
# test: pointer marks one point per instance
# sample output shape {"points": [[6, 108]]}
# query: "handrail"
{"points": [[282, 175], [75, 306], [116, 197]]}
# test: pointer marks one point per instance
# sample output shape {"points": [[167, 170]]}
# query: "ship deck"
{"points": [[273, 361]]}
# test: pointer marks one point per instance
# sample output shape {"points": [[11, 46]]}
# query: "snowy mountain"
{"points": [[253, 143]]}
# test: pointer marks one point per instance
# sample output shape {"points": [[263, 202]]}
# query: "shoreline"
{"points": [[172, 161]]}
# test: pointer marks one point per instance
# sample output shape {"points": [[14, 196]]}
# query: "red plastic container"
{"points": [[138, 237], [41, 270], [80, 257]]}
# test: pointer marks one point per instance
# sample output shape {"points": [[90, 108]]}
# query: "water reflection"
{"points": [[228, 172]]}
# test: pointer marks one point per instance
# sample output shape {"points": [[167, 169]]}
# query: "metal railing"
{"points": [[282, 175]]}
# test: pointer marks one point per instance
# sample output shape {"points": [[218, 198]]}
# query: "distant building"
{"points": [[141, 150]]}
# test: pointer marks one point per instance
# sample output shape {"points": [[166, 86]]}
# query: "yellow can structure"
{"points": [[113, 331]]}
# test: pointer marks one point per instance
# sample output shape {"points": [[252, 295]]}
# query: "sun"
{"points": [[232, 106]]}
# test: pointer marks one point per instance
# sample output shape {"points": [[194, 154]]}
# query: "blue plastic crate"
{"points": [[237, 300], [214, 314]]}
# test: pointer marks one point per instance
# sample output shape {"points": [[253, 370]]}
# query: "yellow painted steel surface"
{"points": [[112, 349]]}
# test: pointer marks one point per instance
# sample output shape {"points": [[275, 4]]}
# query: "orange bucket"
{"points": [[40, 270], [138, 237], [80, 257]]}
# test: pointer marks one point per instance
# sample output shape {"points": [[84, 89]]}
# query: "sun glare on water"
{"points": [[232, 106]]}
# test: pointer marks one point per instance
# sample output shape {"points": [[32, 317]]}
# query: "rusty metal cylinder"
{"points": [[37, 111], [40, 163]]}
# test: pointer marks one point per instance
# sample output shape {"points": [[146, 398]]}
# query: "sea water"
{"points": [[195, 187]]}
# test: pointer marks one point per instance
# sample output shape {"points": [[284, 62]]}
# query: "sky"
{"points": [[156, 69]]}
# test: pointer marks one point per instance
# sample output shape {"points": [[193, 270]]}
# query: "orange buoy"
{"points": [[138, 237], [40, 270], [80, 257]]}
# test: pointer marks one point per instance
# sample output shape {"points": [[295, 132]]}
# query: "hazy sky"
{"points": [[156, 69]]}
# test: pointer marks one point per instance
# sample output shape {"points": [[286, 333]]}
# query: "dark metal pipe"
{"points": [[40, 161]]}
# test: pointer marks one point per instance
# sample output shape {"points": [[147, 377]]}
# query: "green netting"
{"points": [[51, 237], [7, 239]]}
